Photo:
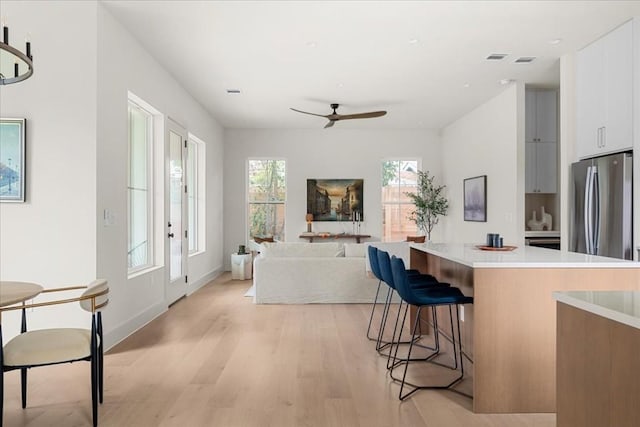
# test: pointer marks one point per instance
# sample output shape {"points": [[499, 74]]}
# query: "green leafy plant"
{"points": [[429, 203]]}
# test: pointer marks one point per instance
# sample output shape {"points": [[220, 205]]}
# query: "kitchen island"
{"points": [[510, 331], [598, 344]]}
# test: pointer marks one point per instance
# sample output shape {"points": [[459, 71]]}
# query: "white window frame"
{"points": [[249, 202], [197, 191], [398, 203], [155, 139]]}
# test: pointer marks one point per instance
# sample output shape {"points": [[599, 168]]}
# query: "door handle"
{"points": [[170, 235]]}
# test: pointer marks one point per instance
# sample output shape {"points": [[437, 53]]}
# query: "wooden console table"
{"points": [[310, 237]]}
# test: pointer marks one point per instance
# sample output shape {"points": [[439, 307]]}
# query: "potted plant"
{"points": [[429, 203]]}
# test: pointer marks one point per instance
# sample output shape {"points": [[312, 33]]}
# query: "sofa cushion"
{"points": [[303, 250], [355, 250]]}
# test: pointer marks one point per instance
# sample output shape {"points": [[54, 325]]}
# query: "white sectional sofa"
{"points": [[302, 273]]}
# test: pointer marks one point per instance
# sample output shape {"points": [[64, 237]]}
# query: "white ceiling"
{"points": [[308, 54]]}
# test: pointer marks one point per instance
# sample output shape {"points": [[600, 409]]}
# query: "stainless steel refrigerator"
{"points": [[602, 216]]}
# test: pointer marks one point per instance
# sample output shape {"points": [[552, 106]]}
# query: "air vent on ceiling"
{"points": [[525, 59], [497, 56], [235, 91]]}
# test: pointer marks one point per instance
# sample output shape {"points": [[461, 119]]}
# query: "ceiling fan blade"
{"points": [[305, 112], [330, 124], [370, 115]]}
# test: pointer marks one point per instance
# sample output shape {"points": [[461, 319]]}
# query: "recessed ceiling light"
{"points": [[413, 41], [525, 60], [555, 41], [505, 81], [497, 56], [340, 84], [233, 91], [312, 44], [466, 85]]}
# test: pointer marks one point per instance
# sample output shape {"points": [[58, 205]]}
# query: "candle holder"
{"points": [[309, 218]]}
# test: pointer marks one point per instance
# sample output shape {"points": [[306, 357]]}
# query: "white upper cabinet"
{"points": [[541, 147], [604, 86], [541, 115]]}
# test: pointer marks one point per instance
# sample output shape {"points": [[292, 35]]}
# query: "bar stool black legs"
{"points": [[422, 298]]}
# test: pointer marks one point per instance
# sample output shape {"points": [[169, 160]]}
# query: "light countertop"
{"points": [[521, 257], [619, 306], [544, 233]]}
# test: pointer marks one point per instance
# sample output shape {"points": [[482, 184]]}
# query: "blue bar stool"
{"points": [[375, 269], [426, 298], [415, 279]]}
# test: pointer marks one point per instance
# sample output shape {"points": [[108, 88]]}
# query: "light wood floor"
{"points": [[216, 359]]}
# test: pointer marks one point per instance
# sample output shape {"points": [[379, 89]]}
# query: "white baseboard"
{"points": [[212, 275], [127, 328]]}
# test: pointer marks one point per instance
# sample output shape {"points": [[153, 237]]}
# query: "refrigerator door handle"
{"points": [[587, 211], [596, 201]]}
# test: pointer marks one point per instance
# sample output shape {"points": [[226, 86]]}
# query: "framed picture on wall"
{"points": [[335, 199], [12, 160], [475, 199]]}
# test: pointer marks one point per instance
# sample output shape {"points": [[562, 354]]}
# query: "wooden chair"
{"points": [[45, 347]]}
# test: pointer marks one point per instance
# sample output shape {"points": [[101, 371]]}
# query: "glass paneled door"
{"points": [[177, 224]]}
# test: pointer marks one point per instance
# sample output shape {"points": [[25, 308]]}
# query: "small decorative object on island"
{"points": [[242, 250], [429, 203]]}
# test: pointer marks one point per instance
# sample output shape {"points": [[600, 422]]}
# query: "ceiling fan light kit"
{"points": [[335, 117]]}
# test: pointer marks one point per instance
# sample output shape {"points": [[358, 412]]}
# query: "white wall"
{"points": [[123, 65], [487, 141], [51, 239], [322, 153]]}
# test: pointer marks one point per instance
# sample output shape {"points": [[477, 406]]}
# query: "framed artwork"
{"points": [[12, 160], [335, 199], [475, 199]]}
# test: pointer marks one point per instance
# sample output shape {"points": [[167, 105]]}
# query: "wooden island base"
{"points": [[510, 330]]}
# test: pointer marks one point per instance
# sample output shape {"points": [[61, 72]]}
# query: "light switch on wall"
{"points": [[109, 218]]}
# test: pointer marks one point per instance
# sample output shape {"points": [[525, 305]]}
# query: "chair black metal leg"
{"points": [[1, 379], [23, 386], [100, 360], [94, 374], [393, 337], [373, 309], [380, 343], [456, 349]]}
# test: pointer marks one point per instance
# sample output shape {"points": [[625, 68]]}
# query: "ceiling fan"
{"points": [[334, 117]]}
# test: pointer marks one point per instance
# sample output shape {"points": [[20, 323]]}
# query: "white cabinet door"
{"points": [[530, 122], [589, 98], [530, 167], [541, 132], [546, 116], [618, 70], [604, 94], [541, 115], [547, 167]]}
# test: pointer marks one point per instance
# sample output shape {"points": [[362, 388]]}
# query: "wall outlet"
{"points": [[462, 313]]}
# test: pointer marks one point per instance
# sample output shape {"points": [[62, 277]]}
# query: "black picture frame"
{"points": [[475, 198]]}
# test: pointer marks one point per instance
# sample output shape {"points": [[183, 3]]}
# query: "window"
{"points": [[195, 193], [139, 188], [398, 177], [266, 197]]}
